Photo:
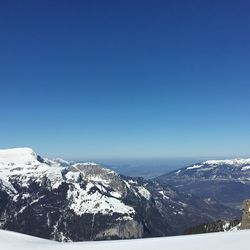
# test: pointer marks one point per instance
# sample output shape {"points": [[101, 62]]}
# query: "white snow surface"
{"points": [[244, 163], [144, 192], [235, 162], [82, 202], [194, 166], [245, 168], [18, 155], [211, 241]]}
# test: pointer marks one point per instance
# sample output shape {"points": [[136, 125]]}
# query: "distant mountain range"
{"points": [[227, 181], [68, 201]]}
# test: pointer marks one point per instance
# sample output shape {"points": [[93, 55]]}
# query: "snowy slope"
{"points": [[218, 241]]}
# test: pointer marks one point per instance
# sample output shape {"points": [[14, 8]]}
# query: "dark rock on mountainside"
{"points": [[217, 226]]}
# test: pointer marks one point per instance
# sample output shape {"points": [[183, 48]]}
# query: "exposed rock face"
{"points": [[245, 223], [123, 230]]}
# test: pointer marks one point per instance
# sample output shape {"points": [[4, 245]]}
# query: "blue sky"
{"points": [[122, 79]]}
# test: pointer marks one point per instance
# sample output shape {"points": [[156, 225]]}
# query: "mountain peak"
{"points": [[17, 154]]}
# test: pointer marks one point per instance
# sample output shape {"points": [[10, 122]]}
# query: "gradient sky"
{"points": [[110, 79]]}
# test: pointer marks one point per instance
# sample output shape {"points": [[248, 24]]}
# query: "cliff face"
{"points": [[245, 224]]}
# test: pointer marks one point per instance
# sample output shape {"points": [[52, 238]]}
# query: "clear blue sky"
{"points": [[110, 79]]}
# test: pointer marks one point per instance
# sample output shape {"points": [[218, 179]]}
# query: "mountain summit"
{"points": [[17, 155]]}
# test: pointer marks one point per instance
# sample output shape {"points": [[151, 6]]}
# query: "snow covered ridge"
{"points": [[18, 155], [222, 241], [215, 163], [227, 170], [232, 169]]}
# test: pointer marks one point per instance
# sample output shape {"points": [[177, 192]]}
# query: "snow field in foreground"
{"points": [[212, 241]]}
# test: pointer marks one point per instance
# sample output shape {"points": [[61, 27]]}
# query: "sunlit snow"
{"points": [[212, 241]]}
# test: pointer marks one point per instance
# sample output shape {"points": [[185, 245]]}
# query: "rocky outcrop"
{"points": [[217, 226], [245, 223], [123, 230]]}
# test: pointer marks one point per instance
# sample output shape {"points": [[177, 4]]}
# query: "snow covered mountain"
{"points": [[235, 169], [66, 201], [228, 181], [222, 241]]}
